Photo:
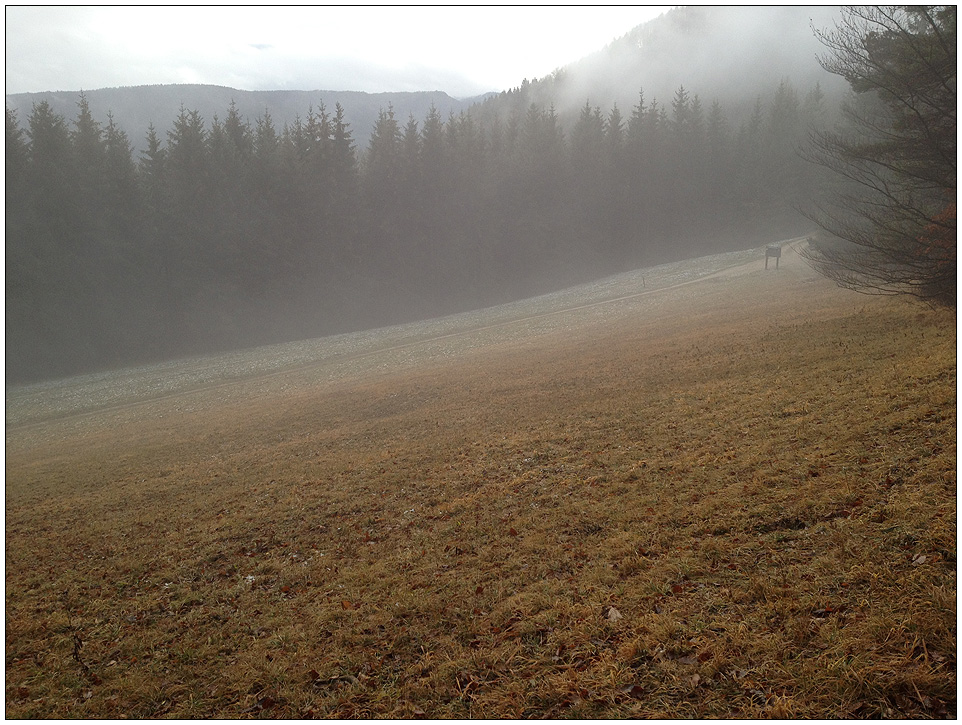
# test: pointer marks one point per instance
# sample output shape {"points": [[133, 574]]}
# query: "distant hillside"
{"points": [[734, 55], [135, 107]]}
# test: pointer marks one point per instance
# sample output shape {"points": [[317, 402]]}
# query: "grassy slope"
{"points": [[734, 498]]}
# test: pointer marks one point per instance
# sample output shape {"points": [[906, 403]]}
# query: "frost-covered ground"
{"points": [[97, 391]]}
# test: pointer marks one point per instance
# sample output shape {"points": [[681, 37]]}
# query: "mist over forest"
{"points": [[231, 228]]}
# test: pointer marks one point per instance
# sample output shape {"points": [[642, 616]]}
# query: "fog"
{"points": [[338, 355], [726, 53], [735, 55], [231, 229]]}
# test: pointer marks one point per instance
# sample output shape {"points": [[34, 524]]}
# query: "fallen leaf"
{"points": [[512, 531], [263, 704], [695, 680], [479, 590], [688, 660], [935, 705], [636, 691], [613, 614], [346, 604], [677, 588]]}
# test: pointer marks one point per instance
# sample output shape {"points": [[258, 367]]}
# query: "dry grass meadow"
{"points": [[732, 498]]}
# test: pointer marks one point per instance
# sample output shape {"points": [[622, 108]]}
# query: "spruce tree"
{"points": [[896, 213]]}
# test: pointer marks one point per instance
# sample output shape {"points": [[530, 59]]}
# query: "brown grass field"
{"points": [[734, 498]]}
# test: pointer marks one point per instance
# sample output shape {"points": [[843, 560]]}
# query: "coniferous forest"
{"points": [[229, 231]]}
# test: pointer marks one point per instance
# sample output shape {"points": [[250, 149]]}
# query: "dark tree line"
{"points": [[226, 233]]}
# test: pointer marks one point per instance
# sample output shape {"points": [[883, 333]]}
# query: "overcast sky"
{"points": [[462, 51]]}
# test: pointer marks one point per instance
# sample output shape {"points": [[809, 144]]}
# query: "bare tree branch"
{"points": [[892, 220]]}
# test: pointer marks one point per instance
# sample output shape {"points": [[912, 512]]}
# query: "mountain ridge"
{"points": [[135, 107], [694, 47]]}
